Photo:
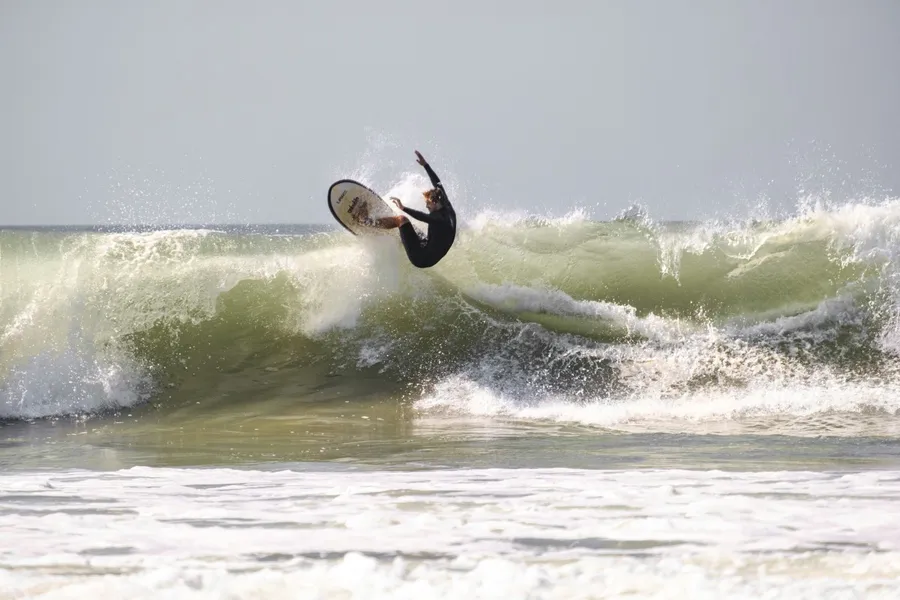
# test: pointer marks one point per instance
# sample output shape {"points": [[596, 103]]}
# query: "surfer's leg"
{"points": [[361, 215], [414, 245], [391, 222]]}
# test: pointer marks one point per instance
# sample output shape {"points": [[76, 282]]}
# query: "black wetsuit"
{"points": [[441, 229]]}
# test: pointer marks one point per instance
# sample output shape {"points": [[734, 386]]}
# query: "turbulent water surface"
{"points": [[561, 408]]}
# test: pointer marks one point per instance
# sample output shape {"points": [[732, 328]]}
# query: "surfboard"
{"points": [[346, 198]]}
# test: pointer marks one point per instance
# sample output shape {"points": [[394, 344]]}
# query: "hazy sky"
{"points": [[173, 110]]}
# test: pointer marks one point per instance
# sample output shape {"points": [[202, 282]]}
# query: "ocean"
{"points": [[562, 408]]}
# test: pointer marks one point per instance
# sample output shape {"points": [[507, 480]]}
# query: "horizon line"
{"points": [[224, 224]]}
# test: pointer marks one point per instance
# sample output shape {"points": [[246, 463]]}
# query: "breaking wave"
{"points": [[623, 324]]}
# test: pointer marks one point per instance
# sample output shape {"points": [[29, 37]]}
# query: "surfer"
{"points": [[441, 218]]}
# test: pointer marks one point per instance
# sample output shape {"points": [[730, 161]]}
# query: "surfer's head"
{"points": [[433, 199]]}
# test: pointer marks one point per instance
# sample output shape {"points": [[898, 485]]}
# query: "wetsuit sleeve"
{"points": [[430, 218], [435, 180]]}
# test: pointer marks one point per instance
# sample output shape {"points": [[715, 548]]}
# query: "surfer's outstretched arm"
{"points": [[435, 180], [430, 218]]}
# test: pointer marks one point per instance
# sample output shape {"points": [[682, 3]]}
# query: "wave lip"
{"points": [[537, 301]]}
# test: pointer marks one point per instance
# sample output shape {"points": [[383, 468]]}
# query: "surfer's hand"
{"points": [[397, 202], [420, 159]]}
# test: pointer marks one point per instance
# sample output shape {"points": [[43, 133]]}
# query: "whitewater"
{"points": [[562, 408]]}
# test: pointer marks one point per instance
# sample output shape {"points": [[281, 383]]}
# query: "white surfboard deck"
{"points": [[345, 199]]}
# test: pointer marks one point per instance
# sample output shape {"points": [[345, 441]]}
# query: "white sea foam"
{"points": [[537, 533], [792, 410], [682, 379], [518, 218], [74, 380]]}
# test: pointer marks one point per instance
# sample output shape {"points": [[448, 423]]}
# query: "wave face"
{"points": [[628, 324]]}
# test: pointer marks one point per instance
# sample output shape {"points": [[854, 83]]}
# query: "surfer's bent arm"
{"points": [[430, 218]]}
